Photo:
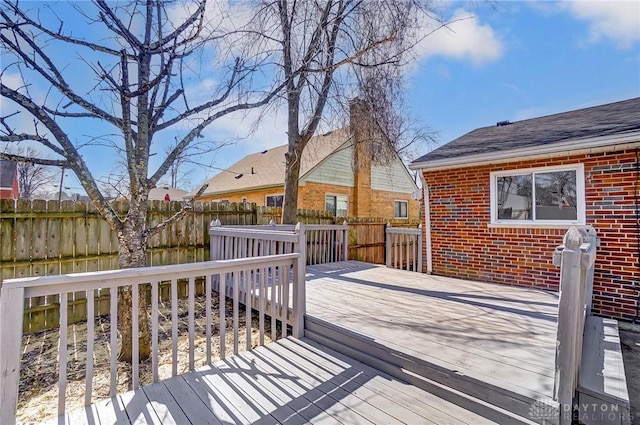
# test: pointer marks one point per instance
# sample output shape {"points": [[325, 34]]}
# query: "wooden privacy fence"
{"points": [[367, 238], [264, 282], [43, 238], [404, 248], [576, 258]]}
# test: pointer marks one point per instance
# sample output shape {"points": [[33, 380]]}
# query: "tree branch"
{"points": [[32, 160], [188, 206]]}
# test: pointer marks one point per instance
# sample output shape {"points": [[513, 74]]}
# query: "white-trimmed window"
{"points": [[546, 195], [401, 209], [274, 200], [337, 204]]}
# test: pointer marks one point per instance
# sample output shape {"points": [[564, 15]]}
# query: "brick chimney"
{"points": [[360, 123]]}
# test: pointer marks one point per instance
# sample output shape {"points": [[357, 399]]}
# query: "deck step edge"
{"points": [[466, 392]]}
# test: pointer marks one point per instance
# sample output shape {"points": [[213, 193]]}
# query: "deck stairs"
{"points": [[489, 401]]}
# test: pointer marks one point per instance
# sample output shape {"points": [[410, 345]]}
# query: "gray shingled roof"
{"points": [[269, 166], [7, 173], [604, 120]]}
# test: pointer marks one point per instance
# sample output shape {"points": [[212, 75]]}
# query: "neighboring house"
{"points": [[9, 180], [163, 192], [328, 178], [499, 200]]}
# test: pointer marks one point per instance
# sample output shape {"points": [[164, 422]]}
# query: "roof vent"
{"points": [[264, 151], [503, 123], [252, 172], [238, 176]]}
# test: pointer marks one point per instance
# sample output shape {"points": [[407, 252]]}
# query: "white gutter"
{"points": [[427, 221], [572, 147]]}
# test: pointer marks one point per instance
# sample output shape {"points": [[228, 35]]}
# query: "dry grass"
{"points": [[38, 393]]}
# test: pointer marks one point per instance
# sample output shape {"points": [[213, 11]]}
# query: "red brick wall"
{"points": [[465, 245]]}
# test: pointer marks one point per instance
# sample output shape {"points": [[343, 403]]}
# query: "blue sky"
{"points": [[508, 60], [513, 61], [538, 58]]}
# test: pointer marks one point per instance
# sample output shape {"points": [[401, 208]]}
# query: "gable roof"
{"points": [[8, 171], [267, 168], [158, 193], [584, 128]]}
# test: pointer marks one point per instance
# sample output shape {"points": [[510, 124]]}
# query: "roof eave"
{"points": [[572, 147], [244, 190]]}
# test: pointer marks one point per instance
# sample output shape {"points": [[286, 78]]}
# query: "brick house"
{"points": [[329, 179], [499, 199], [9, 180]]}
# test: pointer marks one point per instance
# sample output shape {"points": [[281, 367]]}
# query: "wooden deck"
{"points": [[497, 338], [288, 382], [411, 348]]}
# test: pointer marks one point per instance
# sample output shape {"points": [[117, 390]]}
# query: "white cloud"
{"points": [[615, 20], [464, 38]]}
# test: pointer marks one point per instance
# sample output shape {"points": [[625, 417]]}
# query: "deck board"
{"points": [[500, 334], [287, 382]]}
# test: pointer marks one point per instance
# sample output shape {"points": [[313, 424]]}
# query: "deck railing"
{"points": [[264, 281], [576, 258], [403, 248], [324, 243]]}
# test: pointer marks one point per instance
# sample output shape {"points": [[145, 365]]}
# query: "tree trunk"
{"points": [[133, 253], [290, 206]]}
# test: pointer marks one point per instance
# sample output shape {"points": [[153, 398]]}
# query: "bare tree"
{"points": [[32, 177], [332, 51], [142, 60]]}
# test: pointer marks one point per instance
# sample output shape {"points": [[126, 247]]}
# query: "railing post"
{"points": [[387, 245], [214, 241], [592, 238], [11, 312], [299, 283], [568, 323], [419, 253], [345, 240]]}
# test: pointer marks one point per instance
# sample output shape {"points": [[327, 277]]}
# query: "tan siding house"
{"points": [[329, 179]]}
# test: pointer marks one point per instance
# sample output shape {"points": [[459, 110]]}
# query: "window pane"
{"points": [[275, 200], [556, 196], [514, 197], [342, 204], [400, 209], [330, 203]]}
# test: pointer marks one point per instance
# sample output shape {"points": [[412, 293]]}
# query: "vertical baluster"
{"points": [[395, 250], [223, 319], [248, 287], [263, 301], [207, 303], [272, 298], [90, 343], [236, 308], [285, 298], [154, 330], [113, 316], [62, 354], [174, 327], [135, 364], [192, 321]]}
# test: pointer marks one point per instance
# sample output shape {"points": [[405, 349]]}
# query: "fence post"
{"points": [[568, 318], [387, 245], [419, 253], [11, 311], [299, 283], [345, 240]]}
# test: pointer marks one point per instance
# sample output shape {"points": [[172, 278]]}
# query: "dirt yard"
{"points": [[38, 393]]}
